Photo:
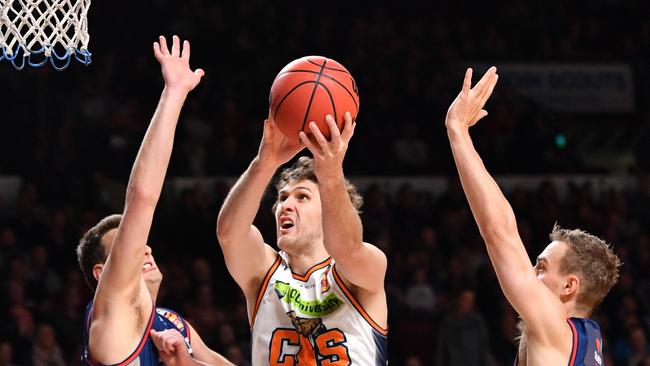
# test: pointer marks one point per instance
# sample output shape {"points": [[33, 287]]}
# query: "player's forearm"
{"points": [[491, 210], [342, 230], [150, 167], [203, 353], [215, 359], [243, 201], [195, 362], [188, 361]]}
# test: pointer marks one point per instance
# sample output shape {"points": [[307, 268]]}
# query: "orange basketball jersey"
{"points": [[313, 320]]}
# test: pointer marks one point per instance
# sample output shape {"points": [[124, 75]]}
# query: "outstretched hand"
{"points": [[329, 155], [176, 64], [467, 108]]}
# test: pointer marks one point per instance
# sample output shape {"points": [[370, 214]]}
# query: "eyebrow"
{"points": [[294, 188], [542, 259]]}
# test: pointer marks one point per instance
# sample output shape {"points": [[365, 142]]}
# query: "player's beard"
{"points": [[301, 244]]}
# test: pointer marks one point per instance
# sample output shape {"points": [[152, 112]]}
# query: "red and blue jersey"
{"points": [[145, 353], [587, 347]]}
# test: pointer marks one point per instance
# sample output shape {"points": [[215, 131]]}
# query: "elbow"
{"points": [[223, 231], [138, 194], [493, 235], [499, 231]]}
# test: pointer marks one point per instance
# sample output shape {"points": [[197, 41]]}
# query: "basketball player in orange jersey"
{"points": [[320, 300], [572, 275], [116, 260]]}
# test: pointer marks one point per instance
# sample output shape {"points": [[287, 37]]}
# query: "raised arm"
{"points": [[121, 288], [362, 264], [495, 219], [247, 256], [124, 265]]}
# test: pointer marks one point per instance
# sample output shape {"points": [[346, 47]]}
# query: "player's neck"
{"points": [[574, 310], [300, 263], [153, 290]]}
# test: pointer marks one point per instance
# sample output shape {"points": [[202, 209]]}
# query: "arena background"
{"points": [[568, 135]]}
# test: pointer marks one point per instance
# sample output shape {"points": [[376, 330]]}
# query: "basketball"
{"points": [[308, 89]]}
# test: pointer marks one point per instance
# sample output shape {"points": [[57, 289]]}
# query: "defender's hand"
{"points": [[467, 108], [172, 348], [176, 65]]}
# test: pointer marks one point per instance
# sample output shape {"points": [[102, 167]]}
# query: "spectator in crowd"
{"points": [[463, 336], [6, 354], [46, 351], [420, 295]]}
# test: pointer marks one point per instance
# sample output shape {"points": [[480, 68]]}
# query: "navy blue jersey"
{"points": [[145, 353], [587, 347]]}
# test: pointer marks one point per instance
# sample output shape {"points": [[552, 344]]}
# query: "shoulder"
{"points": [[172, 320], [584, 326], [168, 313]]}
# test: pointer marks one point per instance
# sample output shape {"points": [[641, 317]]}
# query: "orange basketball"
{"points": [[309, 88]]}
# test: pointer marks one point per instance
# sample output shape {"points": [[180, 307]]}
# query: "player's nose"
{"points": [[287, 206], [147, 250]]}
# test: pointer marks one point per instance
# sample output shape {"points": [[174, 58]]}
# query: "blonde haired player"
{"points": [[572, 275], [321, 299]]}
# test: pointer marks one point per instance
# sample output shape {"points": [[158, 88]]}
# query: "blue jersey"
{"points": [[587, 347], [145, 353]]}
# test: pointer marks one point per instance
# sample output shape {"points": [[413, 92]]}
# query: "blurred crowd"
{"points": [[440, 277], [408, 62], [445, 304], [72, 138]]}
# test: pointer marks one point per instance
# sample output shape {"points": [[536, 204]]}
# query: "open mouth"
{"points": [[286, 223], [147, 267]]}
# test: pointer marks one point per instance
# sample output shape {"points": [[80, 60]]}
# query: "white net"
{"points": [[33, 32]]}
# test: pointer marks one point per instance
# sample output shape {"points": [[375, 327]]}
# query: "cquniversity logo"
{"points": [[316, 308]]}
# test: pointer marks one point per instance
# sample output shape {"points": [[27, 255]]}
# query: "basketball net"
{"points": [[33, 32]]}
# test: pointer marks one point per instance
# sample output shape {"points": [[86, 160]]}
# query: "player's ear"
{"points": [[97, 271], [571, 285]]}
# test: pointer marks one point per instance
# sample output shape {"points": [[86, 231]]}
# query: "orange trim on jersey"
{"points": [[189, 331], [265, 283], [574, 346], [356, 304], [313, 269]]}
